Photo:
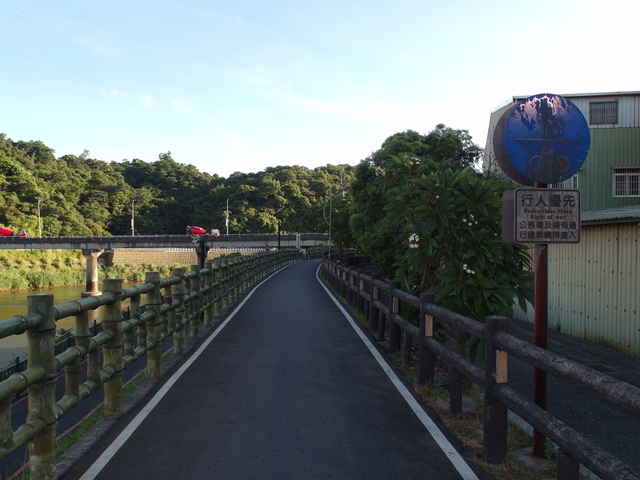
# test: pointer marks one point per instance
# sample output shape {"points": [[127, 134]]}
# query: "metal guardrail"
{"points": [[297, 240], [159, 308], [380, 303]]}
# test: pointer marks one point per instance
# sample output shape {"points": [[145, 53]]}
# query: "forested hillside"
{"points": [[416, 207], [78, 195]]}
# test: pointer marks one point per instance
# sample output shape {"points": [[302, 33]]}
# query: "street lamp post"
{"points": [[39, 220], [329, 192], [133, 217]]}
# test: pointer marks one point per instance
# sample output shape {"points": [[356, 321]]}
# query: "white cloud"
{"points": [[232, 137], [183, 108], [144, 98], [96, 47], [147, 100]]}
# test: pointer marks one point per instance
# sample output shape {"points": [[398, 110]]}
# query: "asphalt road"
{"points": [[283, 389]]}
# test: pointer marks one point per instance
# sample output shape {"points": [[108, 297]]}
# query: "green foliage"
{"points": [[24, 269], [428, 219], [373, 232], [78, 195], [451, 221]]}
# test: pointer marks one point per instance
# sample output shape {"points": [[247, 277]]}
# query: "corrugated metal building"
{"points": [[594, 286]]}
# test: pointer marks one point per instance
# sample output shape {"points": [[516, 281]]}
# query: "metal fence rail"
{"points": [[380, 303]]}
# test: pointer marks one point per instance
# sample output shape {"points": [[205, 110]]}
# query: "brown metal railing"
{"points": [[380, 304]]}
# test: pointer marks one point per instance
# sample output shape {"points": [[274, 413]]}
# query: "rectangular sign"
{"points": [[541, 215]]}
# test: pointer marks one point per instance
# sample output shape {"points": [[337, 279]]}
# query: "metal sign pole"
{"points": [[540, 141], [540, 331]]}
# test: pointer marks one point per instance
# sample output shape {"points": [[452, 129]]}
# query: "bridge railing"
{"points": [[159, 308], [380, 303]]}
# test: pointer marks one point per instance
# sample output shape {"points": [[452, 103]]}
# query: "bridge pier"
{"points": [[91, 288], [201, 250]]}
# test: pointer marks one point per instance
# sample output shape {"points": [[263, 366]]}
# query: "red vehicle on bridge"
{"points": [[195, 230], [7, 232]]}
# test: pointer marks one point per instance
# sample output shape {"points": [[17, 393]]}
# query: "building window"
{"points": [[570, 183], [626, 181], [603, 113]]}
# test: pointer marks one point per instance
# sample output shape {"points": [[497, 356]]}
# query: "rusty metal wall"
{"points": [[594, 287]]}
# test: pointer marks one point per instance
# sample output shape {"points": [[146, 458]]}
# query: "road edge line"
{"points": [[120, 440], [443, 442]]}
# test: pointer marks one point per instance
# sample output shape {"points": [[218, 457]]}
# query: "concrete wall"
{"points": [[136, 256]]}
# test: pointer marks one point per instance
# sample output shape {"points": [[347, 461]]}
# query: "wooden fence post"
{"points": [[359, 298], [495, 413], [395, 332], [374, 312], [112, 350], [42, 400], [455, 391], [153, 302], [352, 283], [568, 467], [426, 358]]}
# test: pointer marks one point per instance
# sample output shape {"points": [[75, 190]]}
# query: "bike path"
{"points": [[284, 388]]}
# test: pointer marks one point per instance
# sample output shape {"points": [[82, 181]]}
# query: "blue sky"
{"points": [[244, 85]]}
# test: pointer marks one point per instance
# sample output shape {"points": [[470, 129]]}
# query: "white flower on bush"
{"points": [[380, 172], [466, 268], [414, 241]]}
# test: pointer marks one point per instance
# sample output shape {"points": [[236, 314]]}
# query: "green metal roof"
{"points": [[630, 213]]}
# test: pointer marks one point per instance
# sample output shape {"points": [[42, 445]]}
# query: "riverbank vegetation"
{"points": [[29, 269]]}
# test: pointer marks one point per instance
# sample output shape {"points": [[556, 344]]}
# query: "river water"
{"points": [[15, 303]]}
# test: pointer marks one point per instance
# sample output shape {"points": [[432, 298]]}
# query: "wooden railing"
{"points": [[380, 303], [182, 302]]}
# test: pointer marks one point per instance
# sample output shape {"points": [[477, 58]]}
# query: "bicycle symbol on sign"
{"points": [[548, 160]]}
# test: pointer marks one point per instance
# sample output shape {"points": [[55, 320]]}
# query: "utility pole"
{"points": [[133, 217], [39, 220], [227, 219]]}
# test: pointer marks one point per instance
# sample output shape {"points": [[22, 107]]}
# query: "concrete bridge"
{"points": [[92, 247]]}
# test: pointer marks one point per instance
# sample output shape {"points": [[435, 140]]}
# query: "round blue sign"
{"points": [[547, 138]]}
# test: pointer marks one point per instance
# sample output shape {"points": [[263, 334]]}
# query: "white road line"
{"points": [[452, 454], [108, 454]]}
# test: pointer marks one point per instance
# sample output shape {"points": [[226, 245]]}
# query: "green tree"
{"points": [[450, 220], [374, 234]]}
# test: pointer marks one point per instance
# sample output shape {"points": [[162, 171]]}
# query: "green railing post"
{"points": [[41, 408], [217, 289], [129, 337], [196, 300], [112, 350], [153, 300], [208, 297], [168, 317], [178, 291], [188, 303], [83, 339]]}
